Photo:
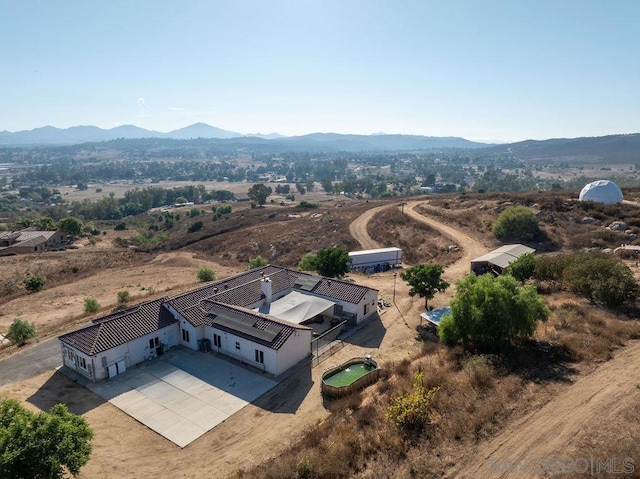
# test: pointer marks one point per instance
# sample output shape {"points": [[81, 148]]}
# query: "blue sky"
{"points": [[494, 70]]}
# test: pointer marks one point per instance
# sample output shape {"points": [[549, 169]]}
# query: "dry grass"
{"points": [[589, 333], [618, 442], [419, 243]]}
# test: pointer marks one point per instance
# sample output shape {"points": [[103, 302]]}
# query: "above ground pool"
{"points": [[350, 376]]}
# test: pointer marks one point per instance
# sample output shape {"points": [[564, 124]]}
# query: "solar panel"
{"points": [[307, 283], [268, 334]]}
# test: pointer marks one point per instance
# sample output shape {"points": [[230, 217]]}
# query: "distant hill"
{"points": [[50, 135], [608, 149], [200, 130], [315, 142]]}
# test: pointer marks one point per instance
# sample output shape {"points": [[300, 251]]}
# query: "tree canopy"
{"points": [[332, 262], [522, 268], [257, 262], [70, 225], [42, 445], [21, 331], [309, 262], [601, 279], [258, 194], [425, 280], [516, 223], [490, 313]]}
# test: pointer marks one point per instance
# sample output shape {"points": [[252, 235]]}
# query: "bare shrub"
{"points": [[480, 371]]}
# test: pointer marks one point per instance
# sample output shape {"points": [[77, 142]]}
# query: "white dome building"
{"points": [[601, 191]]}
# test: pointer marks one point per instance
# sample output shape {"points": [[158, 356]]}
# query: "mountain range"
{"points": [[604, 149], [50, 135]]}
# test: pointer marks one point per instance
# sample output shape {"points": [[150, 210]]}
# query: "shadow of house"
{"points": [[60, 388], [289, 394], [368, 335]]}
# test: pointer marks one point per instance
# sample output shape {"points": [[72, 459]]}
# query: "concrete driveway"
{"points": [[184, 393]]}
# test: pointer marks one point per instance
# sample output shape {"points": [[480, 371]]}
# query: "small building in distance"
{"points": [[497, 260], [601, 191], [375, 260], [28, 240]]}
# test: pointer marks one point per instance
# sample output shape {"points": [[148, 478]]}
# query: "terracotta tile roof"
{"points": [[121, 327], [231, 295], [244, 290], [245, 323]]}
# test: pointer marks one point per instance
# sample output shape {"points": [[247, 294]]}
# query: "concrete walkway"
{"points": [[184, 393]]}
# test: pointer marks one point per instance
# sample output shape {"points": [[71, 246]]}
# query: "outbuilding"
{"points": [[497, 260], [601, 191], [375, 259]]}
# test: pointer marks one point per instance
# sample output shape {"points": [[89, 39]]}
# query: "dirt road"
{"points": [[358, 227], [471, 247], [594, 400]]}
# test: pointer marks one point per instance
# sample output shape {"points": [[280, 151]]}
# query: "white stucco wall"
{"points": [[246, 352], [133, 352], [294, 350]]}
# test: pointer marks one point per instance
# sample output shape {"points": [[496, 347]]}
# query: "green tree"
{"points": [[21, 331], [258, 194], [257, 262], [516, 223], [123, 297], [332, 262], [601, 279], [309, 262], [34, 283], [491, 313], [550, 268], [181, 200], [522, 268], [42, 445], [197, 226], [91, 305], [425, 281], [70, 225], [46, 223], [206, 274]]}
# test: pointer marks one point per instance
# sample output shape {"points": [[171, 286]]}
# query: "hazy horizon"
{"points": [[494, 70]]}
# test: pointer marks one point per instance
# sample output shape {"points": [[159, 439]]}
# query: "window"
{"points": [[82, 363], [154, 342], [237, 345], [217, 340], [259, 356], [366, 309], [70, 354], [185, 335]]}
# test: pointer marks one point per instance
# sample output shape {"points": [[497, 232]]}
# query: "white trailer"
{"points": [[372, 258]]}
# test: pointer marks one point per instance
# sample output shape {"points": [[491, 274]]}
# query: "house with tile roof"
{"points": [[260, 317], [28, 240]]}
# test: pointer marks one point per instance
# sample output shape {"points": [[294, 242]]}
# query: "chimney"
{"points": [[265, 283]]}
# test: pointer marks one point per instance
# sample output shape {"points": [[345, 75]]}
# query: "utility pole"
{"points": [[395, 275]]}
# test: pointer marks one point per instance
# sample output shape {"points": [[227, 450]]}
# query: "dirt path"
{"points": [[594, 400], [358, 227], [471, 247]]}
